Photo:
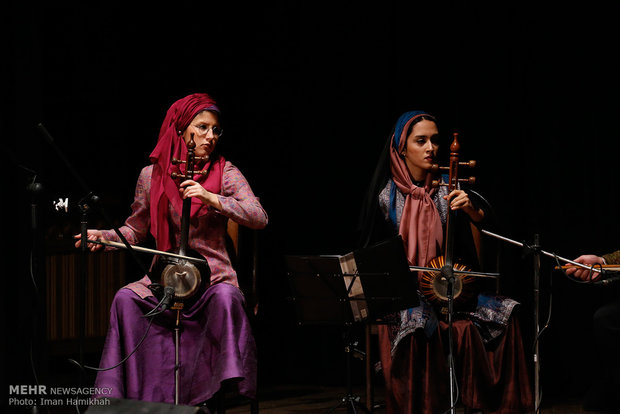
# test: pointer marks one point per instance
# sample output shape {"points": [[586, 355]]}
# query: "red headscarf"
{"points": [[165, 190], [420, 224]]}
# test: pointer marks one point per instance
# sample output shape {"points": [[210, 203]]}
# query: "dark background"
{"points": [[309, 93]]}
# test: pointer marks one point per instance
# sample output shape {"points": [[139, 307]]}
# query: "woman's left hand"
{"points": [[459, 200], [190, 188]]}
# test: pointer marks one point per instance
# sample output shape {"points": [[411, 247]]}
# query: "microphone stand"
{"points": [[37, 334], [536, 251], [85, 206], [552, 255], [82, 280]]}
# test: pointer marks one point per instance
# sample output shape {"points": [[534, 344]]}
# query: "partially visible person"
{"points": [[592, 260], [604, 393], [216, 347]]}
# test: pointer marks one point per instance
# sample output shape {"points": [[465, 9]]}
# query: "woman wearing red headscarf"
{"points": [[216, 343], [490, 366]]}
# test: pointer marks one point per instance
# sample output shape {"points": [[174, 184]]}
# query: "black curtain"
{"points": [[309, 93]]}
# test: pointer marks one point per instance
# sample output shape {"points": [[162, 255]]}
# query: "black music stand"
{"points": [[319, 291], [321, 297], [389, 286], [322, 293]]}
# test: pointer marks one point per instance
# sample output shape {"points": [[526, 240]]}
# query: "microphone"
{"points": [[168, 295], [34, 188], [607, 281]]}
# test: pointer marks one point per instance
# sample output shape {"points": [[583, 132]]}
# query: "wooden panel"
{"points": [[106, 274]]}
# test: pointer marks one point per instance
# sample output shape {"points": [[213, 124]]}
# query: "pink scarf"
{"points": [[165, 190], [420, 224]]}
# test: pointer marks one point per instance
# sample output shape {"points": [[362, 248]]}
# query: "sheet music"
{"points": [[349, 267]]}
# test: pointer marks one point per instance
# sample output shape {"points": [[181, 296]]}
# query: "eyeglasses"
{"points": [[203, 130]]}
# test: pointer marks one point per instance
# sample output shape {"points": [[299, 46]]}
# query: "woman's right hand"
{"points": [[585, 274], [92, 235]]}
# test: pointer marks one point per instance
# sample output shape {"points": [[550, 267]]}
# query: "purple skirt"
{"points": [[216, 344]]}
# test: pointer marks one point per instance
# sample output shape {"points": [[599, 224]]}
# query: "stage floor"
{"points": [[293, 399]]}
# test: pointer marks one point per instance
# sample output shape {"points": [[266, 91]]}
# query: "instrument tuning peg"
{"points": [[471, 163], [470, 180]]}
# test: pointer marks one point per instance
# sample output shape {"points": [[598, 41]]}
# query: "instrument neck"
{"points": [[449, 241], [452, 185], [187, 205]]}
